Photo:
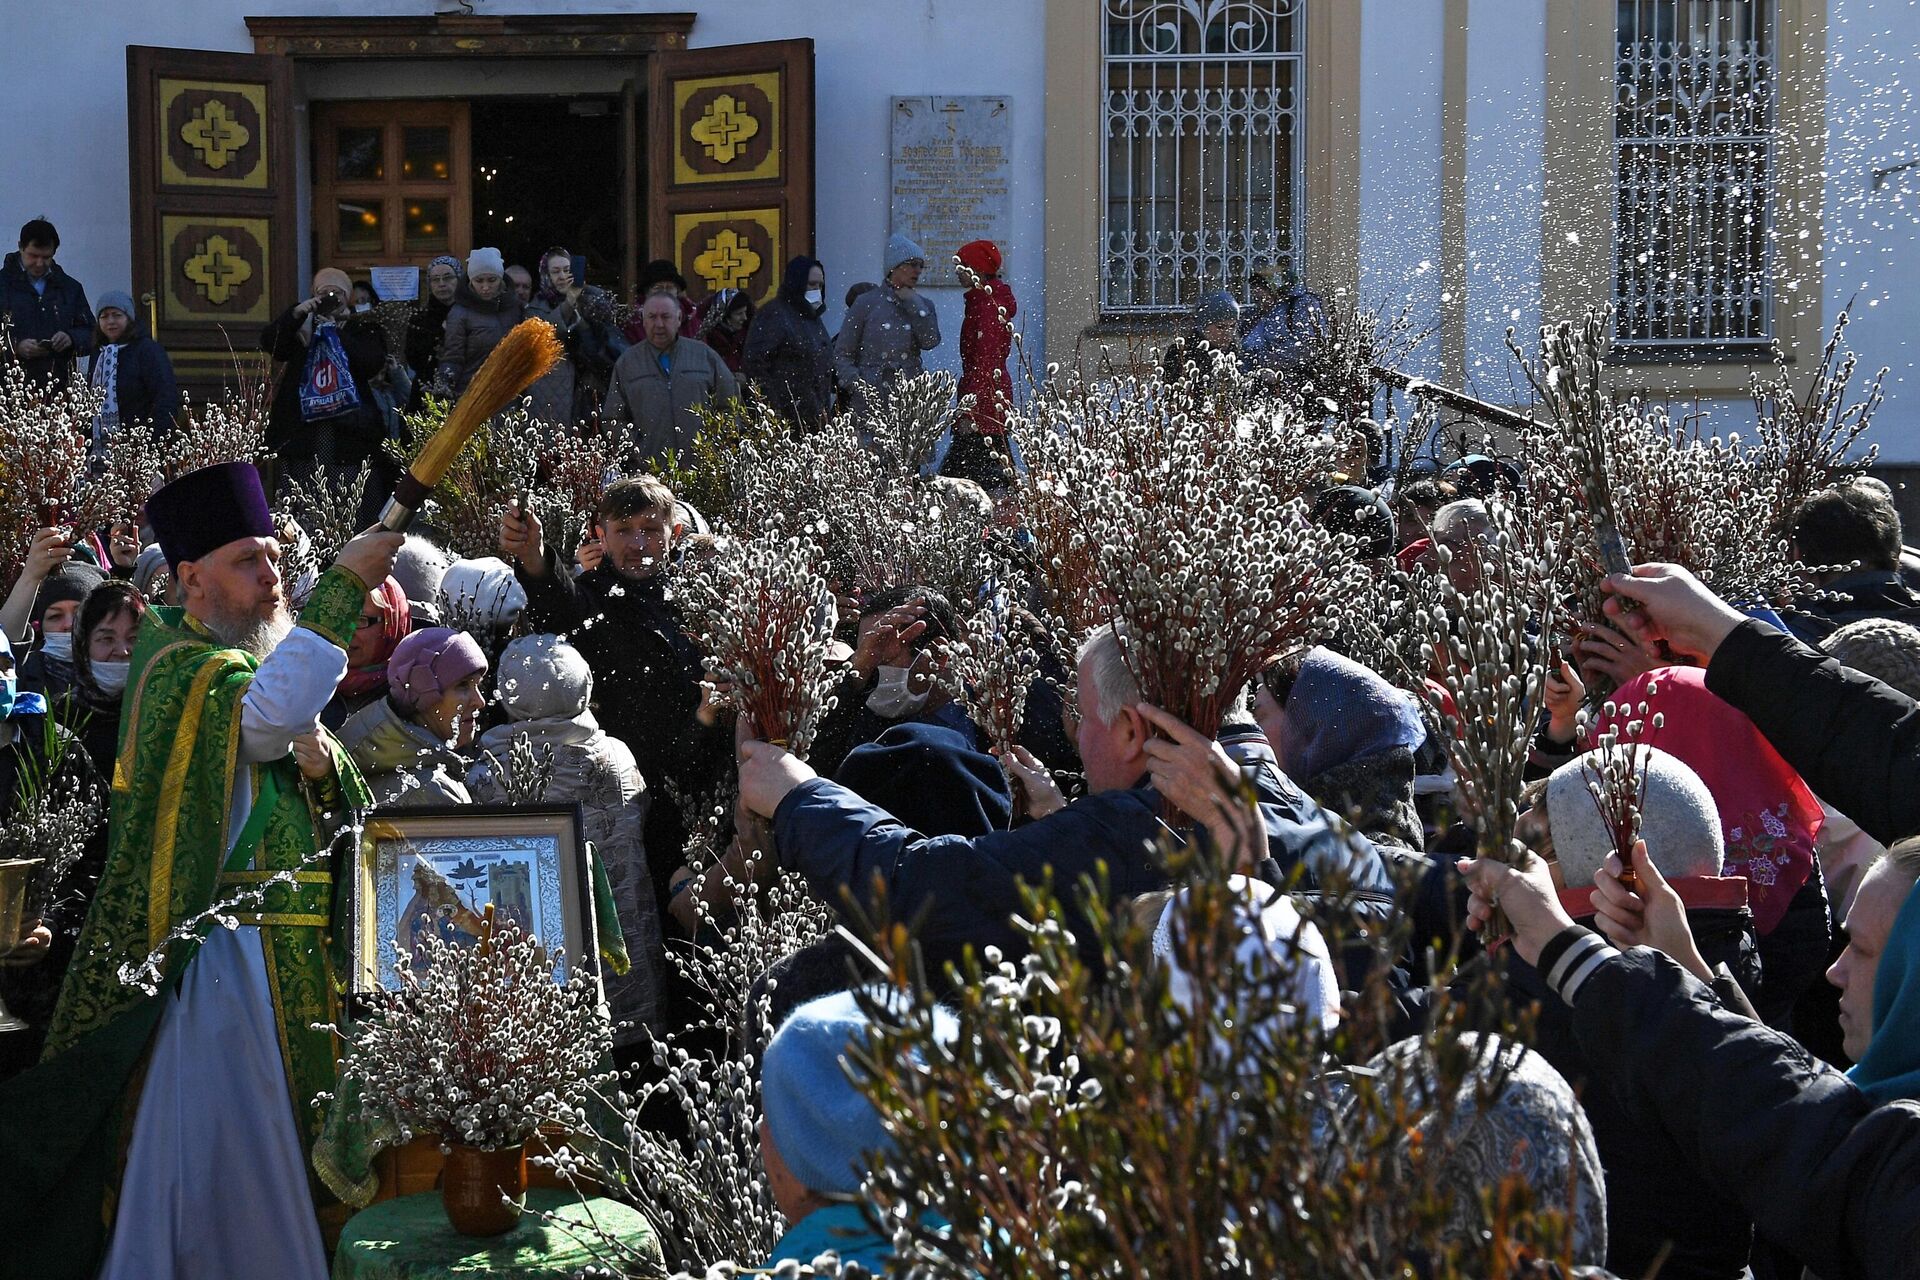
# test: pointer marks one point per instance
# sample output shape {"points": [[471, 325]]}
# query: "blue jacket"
{"points": [[144, 387], [62, 308], [964, 892]]}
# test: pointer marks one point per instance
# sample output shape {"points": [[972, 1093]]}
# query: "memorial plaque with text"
{"points": [[952, 176]]}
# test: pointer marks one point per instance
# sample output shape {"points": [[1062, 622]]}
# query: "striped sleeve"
{"points": [[1572, 956]]}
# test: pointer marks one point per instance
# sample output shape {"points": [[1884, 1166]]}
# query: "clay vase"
{"points": [[473, 1183]]}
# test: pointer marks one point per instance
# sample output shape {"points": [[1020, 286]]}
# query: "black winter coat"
{"points": [[355, 436], [790, 358], [31, 990], [646, 687], [1821, 1170], [1854, 740], [1654, 1194], [424, 330], [144, 388], [62, 308]]}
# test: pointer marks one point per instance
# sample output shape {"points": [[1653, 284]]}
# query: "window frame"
{"points": [[1290, 238], [393, 190], [1723, 345]]}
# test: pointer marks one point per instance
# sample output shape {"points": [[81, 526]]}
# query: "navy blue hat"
{"points": [[204, 510], [932, 779]]}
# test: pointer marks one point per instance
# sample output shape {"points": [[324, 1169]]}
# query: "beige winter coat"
{"points": [[404, 764], [657, 411]]}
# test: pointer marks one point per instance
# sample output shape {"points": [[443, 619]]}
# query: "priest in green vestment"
{"points": [[169, 1130]]}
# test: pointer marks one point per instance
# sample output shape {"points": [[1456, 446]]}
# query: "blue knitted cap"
{"points": [[822, 1125]]}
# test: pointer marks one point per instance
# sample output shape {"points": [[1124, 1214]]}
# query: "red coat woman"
{"points": [[986, 338]]}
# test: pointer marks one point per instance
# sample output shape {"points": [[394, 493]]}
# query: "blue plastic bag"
{"points": [[327, 390]]}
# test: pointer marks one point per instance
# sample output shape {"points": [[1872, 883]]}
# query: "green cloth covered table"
{"points": [[409, 1239]]}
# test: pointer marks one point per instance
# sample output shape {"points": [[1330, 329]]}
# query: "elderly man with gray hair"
{"points": [[660, 385], [968, 887]]}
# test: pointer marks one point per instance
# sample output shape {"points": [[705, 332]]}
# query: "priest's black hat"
{"points": [[204, 510]]}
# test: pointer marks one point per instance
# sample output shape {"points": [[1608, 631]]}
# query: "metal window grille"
{"points": [[1696, 104], [1202, 168]]}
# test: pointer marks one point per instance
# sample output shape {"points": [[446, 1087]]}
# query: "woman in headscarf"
{"points": [[725, 321], [408, 743], [103, 639], [583, 317], [428, 324], [789, 354], [1347, 737], [1768, 815], [386, 618]]}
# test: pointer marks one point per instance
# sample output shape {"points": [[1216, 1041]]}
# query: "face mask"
{"points": [[110, 676], [58, 646], [817, 299], [893, 697]]}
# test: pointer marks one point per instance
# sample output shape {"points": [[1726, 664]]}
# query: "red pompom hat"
{"points": [[982, 257]]}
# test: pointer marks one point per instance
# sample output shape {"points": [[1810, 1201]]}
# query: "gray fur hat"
{"points": [[1678, 820]]}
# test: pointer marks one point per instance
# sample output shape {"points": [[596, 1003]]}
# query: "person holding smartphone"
{"points": [[324, 420], [40, 610], [45, 310]]}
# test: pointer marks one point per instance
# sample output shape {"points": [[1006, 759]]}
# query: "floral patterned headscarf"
{"points": [[1769, 816]]}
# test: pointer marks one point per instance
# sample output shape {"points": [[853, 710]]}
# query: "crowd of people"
{"points": [[1726, 1022]]}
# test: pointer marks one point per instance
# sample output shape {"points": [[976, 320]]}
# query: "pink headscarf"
{"points": [[396, 620], [1769, 816]]}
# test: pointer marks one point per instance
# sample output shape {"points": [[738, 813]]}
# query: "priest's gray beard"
{"points": [[246, 630]]}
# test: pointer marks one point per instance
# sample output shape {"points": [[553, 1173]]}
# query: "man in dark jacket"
{"points": [[965, 891], [328, 433], [646, 669], [47, 316], [1853, 525]]}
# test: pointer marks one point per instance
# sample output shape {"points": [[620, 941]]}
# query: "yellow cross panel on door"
{"points": [[213, 133], [737, 249], [727, 129], [215, 269]]}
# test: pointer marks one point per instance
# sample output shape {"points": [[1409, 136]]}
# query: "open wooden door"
{"points": [[730, 162], [212, 203], [630, 180]]}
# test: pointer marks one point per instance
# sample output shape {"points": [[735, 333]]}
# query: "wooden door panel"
{"points": [[393, 191], [730, 163], [211, 198]]}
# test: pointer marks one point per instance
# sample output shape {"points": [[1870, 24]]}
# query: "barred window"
{"points": [[1695, 109], [1203, 155]]}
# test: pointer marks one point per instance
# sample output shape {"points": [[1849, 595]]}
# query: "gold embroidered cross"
{"points": [[214, 134], [217, 269], [725, 129], [728, 263]]}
